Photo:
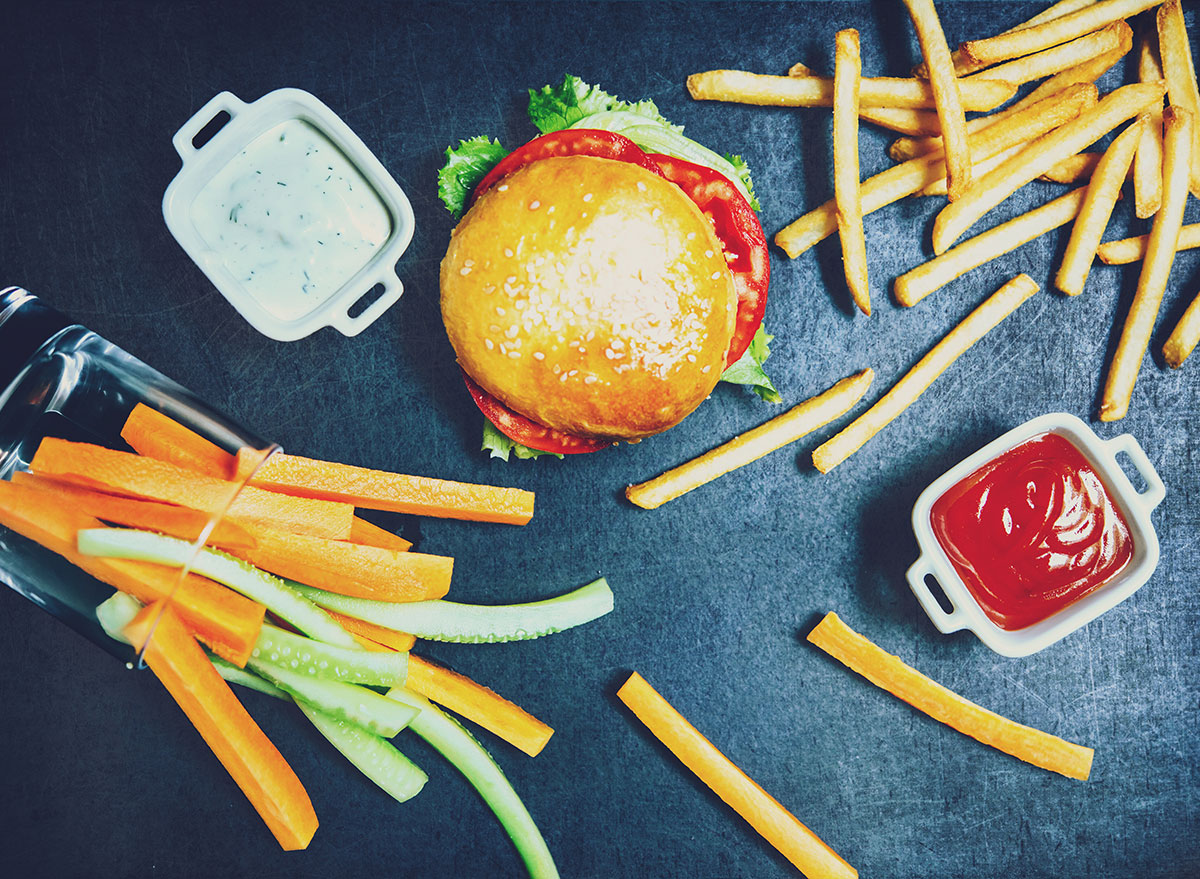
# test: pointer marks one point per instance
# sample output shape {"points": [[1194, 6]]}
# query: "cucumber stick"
{"points": [[349, 702], [329, 662], [475, 623], [243, 678], [471, 759], [267, 589]]}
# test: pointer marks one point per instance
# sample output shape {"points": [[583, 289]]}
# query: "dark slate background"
{"points": [[102, 775]]}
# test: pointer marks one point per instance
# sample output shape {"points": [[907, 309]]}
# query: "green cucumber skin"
{"points": [[348, 702], [472, 623], [267, 589], [115, 613], [373, 756], [458, 746], [329, 662], [248, 679]]}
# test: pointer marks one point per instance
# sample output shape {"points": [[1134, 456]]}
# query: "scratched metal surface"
{"points": [[103, 776]]}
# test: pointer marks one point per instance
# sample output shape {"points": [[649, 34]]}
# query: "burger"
{"points": [[596, 292]]}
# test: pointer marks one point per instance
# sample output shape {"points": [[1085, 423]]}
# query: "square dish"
{"points": [[288, 213], [969, 611]]}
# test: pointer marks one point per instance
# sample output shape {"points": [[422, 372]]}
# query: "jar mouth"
{"points": [[26, 324]]}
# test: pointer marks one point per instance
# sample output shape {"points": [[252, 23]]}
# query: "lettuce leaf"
{"points": [[749, 368], [743, 172], [466, 165], [500, 445], [555, 108]]}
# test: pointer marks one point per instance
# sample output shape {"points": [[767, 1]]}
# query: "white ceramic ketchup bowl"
{"points": [[1135, 506]]}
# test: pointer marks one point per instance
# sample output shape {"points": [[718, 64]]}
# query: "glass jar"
{"points": [[59, 379]]}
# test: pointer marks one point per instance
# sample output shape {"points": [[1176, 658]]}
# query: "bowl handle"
{"points": [[352, 326], [225, 101], [945, 622], [1155, 490]]}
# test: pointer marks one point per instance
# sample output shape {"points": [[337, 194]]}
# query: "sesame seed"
{"points": [[707, 368], [641, 186], [512, 331], [499, 311], [550, 209], [587, 197], [691, 236], [534, 205], [538, 355], [515, 355], [716, 275], [468, 262], [691, 358], [490, 344], [465, 270], [709, 254], [656, 213], [511, 279], [508, 252], [589, 380], [503, 187]]}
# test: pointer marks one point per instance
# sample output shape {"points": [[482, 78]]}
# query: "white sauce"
{"points": [[292, 218]]}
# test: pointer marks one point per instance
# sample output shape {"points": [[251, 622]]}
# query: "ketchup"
{"points": [[1032, 531]]}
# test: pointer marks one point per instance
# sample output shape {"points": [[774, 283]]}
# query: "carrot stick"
{"points": [[890, 673], [763, 812], [138, 513], [129, 474], [476, 702], [370, 534], [380, 490], [227, 622], [360, 629], [245, 751], [155, 435], [349, 568]]}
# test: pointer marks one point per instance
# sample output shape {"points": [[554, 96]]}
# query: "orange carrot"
{"points": [[349, 568], [138, 513], [242, 747], [380, 490], [370, 534], [129, 474], [476, 702], [155, 435], [889, 673], [360, 629], [227, 622], [763, 812]]}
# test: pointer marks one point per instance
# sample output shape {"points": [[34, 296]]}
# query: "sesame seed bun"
{"points": [[591, 296]]}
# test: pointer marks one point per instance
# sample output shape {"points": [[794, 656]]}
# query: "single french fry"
{"points": [[1147, 164], [846, 77], [913, 176], [946, 94], [1001, 182], [774, 823], [938, 187], [797, 422], [963, 65], [905, 392], [1058, 58], [743, 87], [1127, 250], [1175, 52], [915, 284], [1097, 208], [1050, 33], [889, 672], [902, 120], [1073, 169], [1089, 71], [1184, 337], [1160, 254]]}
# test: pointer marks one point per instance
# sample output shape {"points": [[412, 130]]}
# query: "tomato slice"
{"points": [[568, 142], [740, 233], [526, 432]]}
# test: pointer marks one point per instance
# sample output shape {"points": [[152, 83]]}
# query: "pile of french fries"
{"points": [[979, 162]]}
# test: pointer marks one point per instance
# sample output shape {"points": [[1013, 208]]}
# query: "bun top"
{"points": [[591, 296]]}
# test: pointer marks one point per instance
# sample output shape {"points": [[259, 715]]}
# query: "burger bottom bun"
{"points": [[591, 296]]}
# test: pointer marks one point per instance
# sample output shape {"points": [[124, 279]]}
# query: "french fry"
{"points": [[905, 392], [846, 77], [1089, 71], [1175, 52], [1160, 254], [915, 284], [1001, 182], [803, 848], [963, 65], [904, 120], [889, 672], [1058, 58], [1050, 33], [743, 87], [781, 430], [946, 96], [1184, 337], [938, 187], [1147, 164], [913, 176], [1127, 250], [1097, 208], [1073, 169]]}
